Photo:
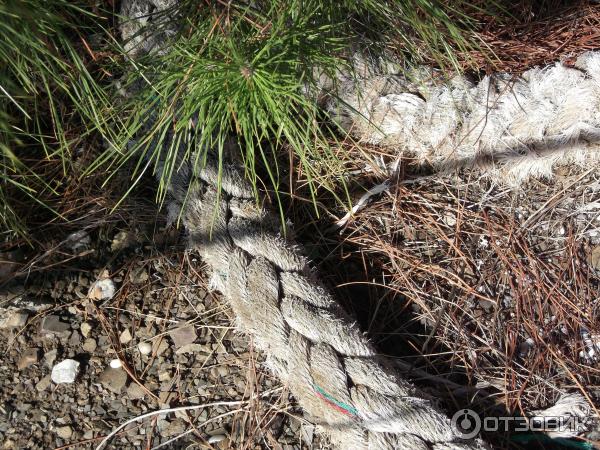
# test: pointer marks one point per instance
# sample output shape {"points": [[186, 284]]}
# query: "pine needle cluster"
{"points": [[243, 69], [234, 69]]}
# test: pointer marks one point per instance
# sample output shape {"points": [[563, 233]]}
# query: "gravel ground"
{"points": [[147, 335]]}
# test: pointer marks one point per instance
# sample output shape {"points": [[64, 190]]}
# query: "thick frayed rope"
{"points": [[512, 127], [310, 343]]}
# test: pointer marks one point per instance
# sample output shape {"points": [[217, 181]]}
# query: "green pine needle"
{"points": [[243, 69]]}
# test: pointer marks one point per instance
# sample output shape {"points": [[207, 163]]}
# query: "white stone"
{"points": [[14, 319], [86, 328], [164, 376], [216, 438], [103, 289], [64, 432], [78, 241], [65, 371], [125, 337], [90, 345], [122, 240], [115, 363], [145, 348]]}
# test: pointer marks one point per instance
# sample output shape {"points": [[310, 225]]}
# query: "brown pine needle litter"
{"points": [[537, 34], [490, 288]]}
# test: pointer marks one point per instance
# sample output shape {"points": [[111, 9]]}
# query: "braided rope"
{"points": [[546, 117], [328, 364], [512, 127], [310, 343]]}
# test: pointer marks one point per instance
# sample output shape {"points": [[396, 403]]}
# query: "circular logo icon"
{"points": [[466, 423]]}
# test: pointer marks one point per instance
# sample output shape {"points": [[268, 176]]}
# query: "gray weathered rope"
{"points": [[513, 127], [329, 365]]}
